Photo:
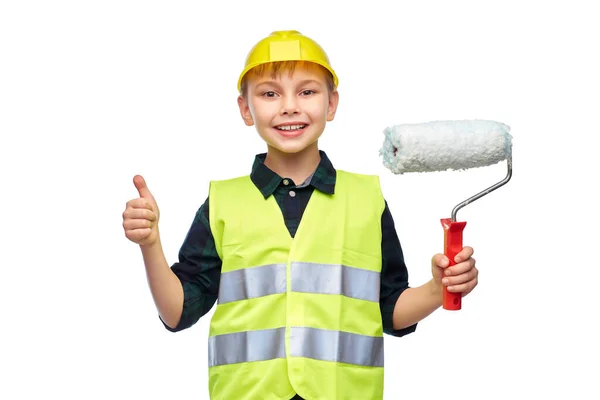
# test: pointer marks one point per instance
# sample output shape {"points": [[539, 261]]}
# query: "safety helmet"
{"points": [[286, 46]]}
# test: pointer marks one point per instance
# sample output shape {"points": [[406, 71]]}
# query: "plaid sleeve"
{"points": [[199, 270], [394, 275]]}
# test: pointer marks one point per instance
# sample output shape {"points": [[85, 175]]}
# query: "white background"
{"points": [[93, 93]]}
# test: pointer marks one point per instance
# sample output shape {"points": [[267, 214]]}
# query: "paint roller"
{"points": [[446, 146]]}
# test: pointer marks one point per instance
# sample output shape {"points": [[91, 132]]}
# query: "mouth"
{"points": [[291, 130]]}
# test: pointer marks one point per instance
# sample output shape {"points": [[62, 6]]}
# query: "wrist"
{"points": [[151, 248], [435, 289]]}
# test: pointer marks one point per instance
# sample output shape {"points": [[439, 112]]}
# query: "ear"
{"points": [[334, 99], [245, 111]]}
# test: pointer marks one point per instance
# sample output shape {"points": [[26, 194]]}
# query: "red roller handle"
{"points": [[453, 244]]}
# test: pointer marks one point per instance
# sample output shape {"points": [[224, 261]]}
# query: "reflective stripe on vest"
{"points": [[318, 344], [297, 315], [248, 283]]}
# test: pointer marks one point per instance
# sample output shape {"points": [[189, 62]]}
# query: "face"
{"points": [[290, 111]]}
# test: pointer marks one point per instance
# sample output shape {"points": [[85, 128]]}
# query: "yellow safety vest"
{"points": [[297, 315]]}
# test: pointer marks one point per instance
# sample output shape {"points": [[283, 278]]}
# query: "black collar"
{"points": [[267, 180]]}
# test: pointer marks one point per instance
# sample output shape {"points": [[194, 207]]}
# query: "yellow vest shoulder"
{"points": [[356, 180], [234, 180]]}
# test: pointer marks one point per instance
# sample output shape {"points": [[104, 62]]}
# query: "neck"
{"points": [[298, 166]]}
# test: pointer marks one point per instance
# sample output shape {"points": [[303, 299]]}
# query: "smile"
{"points": [[291, 130], [290, 127]]}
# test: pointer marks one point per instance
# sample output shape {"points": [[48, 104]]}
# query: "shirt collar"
{"points": [[266, 180]]}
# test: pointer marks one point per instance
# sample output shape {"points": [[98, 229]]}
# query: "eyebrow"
{"points": [[301, 83], [307, 81]]}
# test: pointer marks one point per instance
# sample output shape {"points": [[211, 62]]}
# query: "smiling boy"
{"points": [[303, 260]]}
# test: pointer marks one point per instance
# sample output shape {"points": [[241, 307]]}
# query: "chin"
{"points": [[291, 146], [291, 149]]}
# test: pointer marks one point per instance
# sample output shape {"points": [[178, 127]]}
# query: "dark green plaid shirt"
{"points": [[199, 265]]}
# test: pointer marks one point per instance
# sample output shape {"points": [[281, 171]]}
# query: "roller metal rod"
{"points": [[486, 191]]}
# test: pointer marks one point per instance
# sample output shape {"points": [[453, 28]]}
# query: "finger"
{"points": [[139, 203], [140, 184], [464, 288], [132, 224], [462, 278], [139, 213], [138, 234], [460, 268], [464, 254]]}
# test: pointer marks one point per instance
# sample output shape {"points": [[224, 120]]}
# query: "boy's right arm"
{"points": [[140, 221], [188, 289], [165, 286]]}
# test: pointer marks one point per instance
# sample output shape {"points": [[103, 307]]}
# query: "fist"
{"points": [[459, 278], [140, 218]]}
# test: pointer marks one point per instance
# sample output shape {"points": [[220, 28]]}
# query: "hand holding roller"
{"points": [[443, 146]]}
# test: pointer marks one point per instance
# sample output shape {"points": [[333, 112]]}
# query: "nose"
{"points": [[289, 105]]}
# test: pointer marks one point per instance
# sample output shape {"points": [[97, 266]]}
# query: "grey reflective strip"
{"points": [[252, 282], [343, 347], [247, 346], [335, 279]]}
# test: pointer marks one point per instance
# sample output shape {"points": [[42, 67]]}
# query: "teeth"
{"points": [[290, 127]]}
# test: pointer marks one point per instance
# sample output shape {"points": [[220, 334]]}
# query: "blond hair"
{"points": [[277, 67]]}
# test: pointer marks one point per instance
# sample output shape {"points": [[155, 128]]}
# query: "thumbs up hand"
{"points": [[140, 218]]}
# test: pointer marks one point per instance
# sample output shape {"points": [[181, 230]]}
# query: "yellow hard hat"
{"points": [[286, 46]]}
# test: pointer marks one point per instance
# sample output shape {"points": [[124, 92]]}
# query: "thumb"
{"points": [[142, 188], [439, 261], [442, 261]]}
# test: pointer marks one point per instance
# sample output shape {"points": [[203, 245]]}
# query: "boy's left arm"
{"points": [[417, 303], [402, 307]]}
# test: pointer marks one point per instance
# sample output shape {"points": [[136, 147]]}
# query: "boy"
{"points": [[302, 260]]}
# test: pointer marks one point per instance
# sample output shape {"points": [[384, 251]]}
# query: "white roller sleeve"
{"points": [[445, 145]]}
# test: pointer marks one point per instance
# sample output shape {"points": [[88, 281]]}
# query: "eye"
{"points": [[307, 92], [269, 93]]}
